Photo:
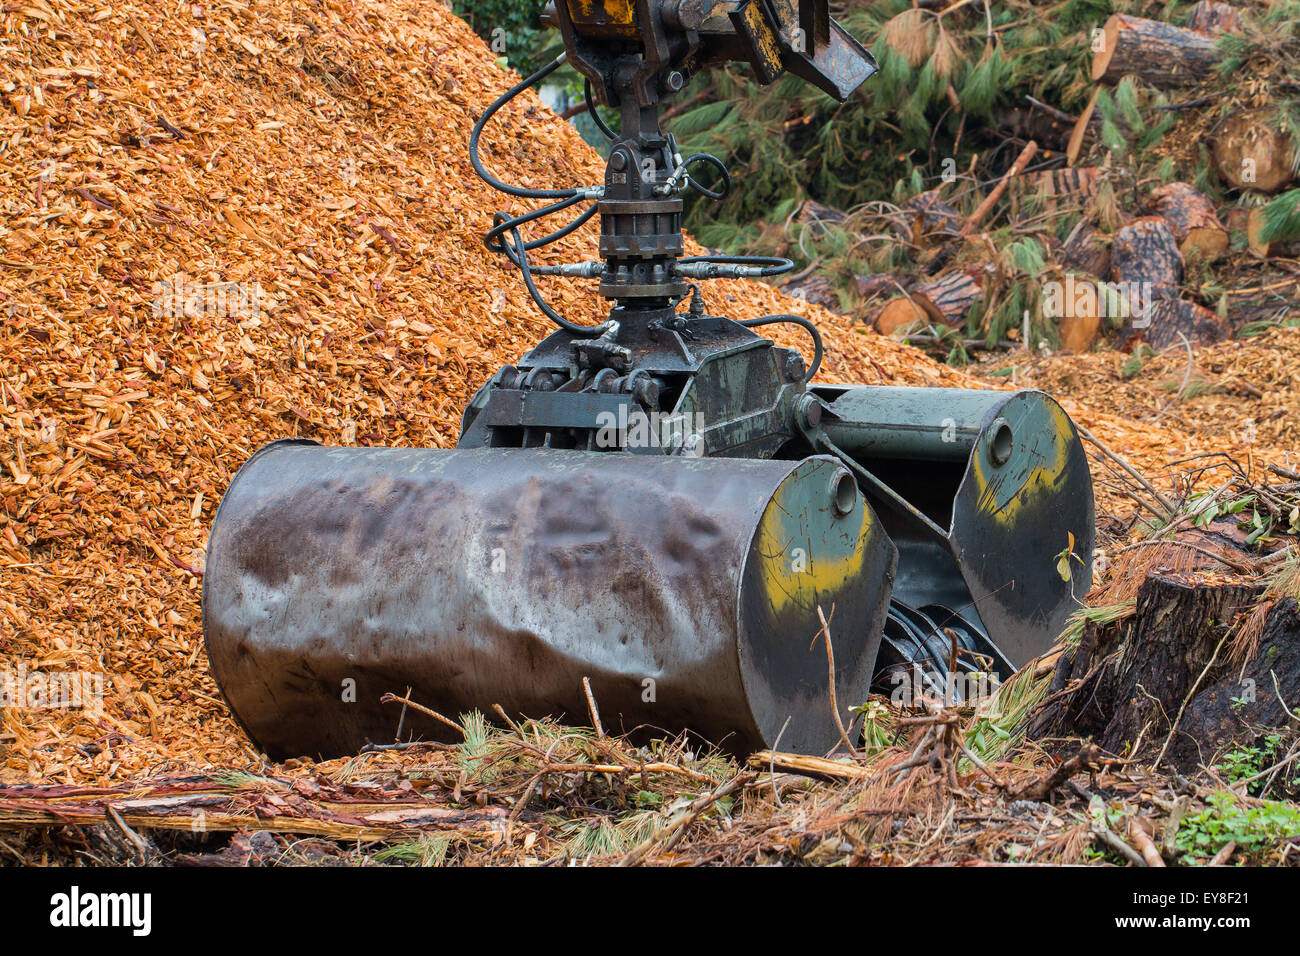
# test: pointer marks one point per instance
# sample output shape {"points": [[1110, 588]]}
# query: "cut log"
{"points": [[1145, 257], [903, 312], [926, 219], [816, 289], [1212, 17], [820, 217], [1157, 53], [952, 295], [881, 283], [1285, 247], [1080, 330], [1160, 325], [1213, 720], [1251, 150], [1056, 187], [1087, 250], [1192, 219], [1077, 306], [1079, 333]]}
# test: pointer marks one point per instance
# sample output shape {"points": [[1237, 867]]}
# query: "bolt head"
{"points": [[794, 367]]}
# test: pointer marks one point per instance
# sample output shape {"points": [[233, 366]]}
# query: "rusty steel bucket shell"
{"points": [[686, 590]]}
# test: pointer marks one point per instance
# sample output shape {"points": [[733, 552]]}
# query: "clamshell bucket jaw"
{"points": [[987, 495], [687, 591]]}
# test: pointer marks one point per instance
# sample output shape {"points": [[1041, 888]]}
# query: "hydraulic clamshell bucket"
{"points": [[685, 589]]}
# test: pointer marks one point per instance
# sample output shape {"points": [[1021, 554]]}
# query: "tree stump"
{"points": [[1132, 677], [1244, 700], [1251, 150], [1157, 53], [1192, 219]]}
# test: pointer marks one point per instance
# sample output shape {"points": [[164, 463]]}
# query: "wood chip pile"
{"points": [[223, 224]]}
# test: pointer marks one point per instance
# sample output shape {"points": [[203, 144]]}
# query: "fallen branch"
{"points": [[678, 826], [830, 662], [1085, 761], [817, 767], [982, 211], [1092, 439]]}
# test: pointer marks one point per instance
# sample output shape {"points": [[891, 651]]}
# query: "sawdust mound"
{"points": [[222, 226]]}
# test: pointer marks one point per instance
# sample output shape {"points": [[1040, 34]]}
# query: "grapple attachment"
{"points": [[683, 577], [686, 590]]}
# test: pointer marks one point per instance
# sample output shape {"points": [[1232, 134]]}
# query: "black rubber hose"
{"points": [[506, 97], [518, 254], [818, 350], [591, 109], [493, 239], [717, 164], [771, 265]]}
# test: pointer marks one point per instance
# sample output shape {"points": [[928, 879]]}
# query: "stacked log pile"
{"points": [[1154, 194]]}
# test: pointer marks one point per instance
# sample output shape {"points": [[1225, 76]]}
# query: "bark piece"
{"points": [[1192, 219], [1251, 151], [1158, 53]]}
